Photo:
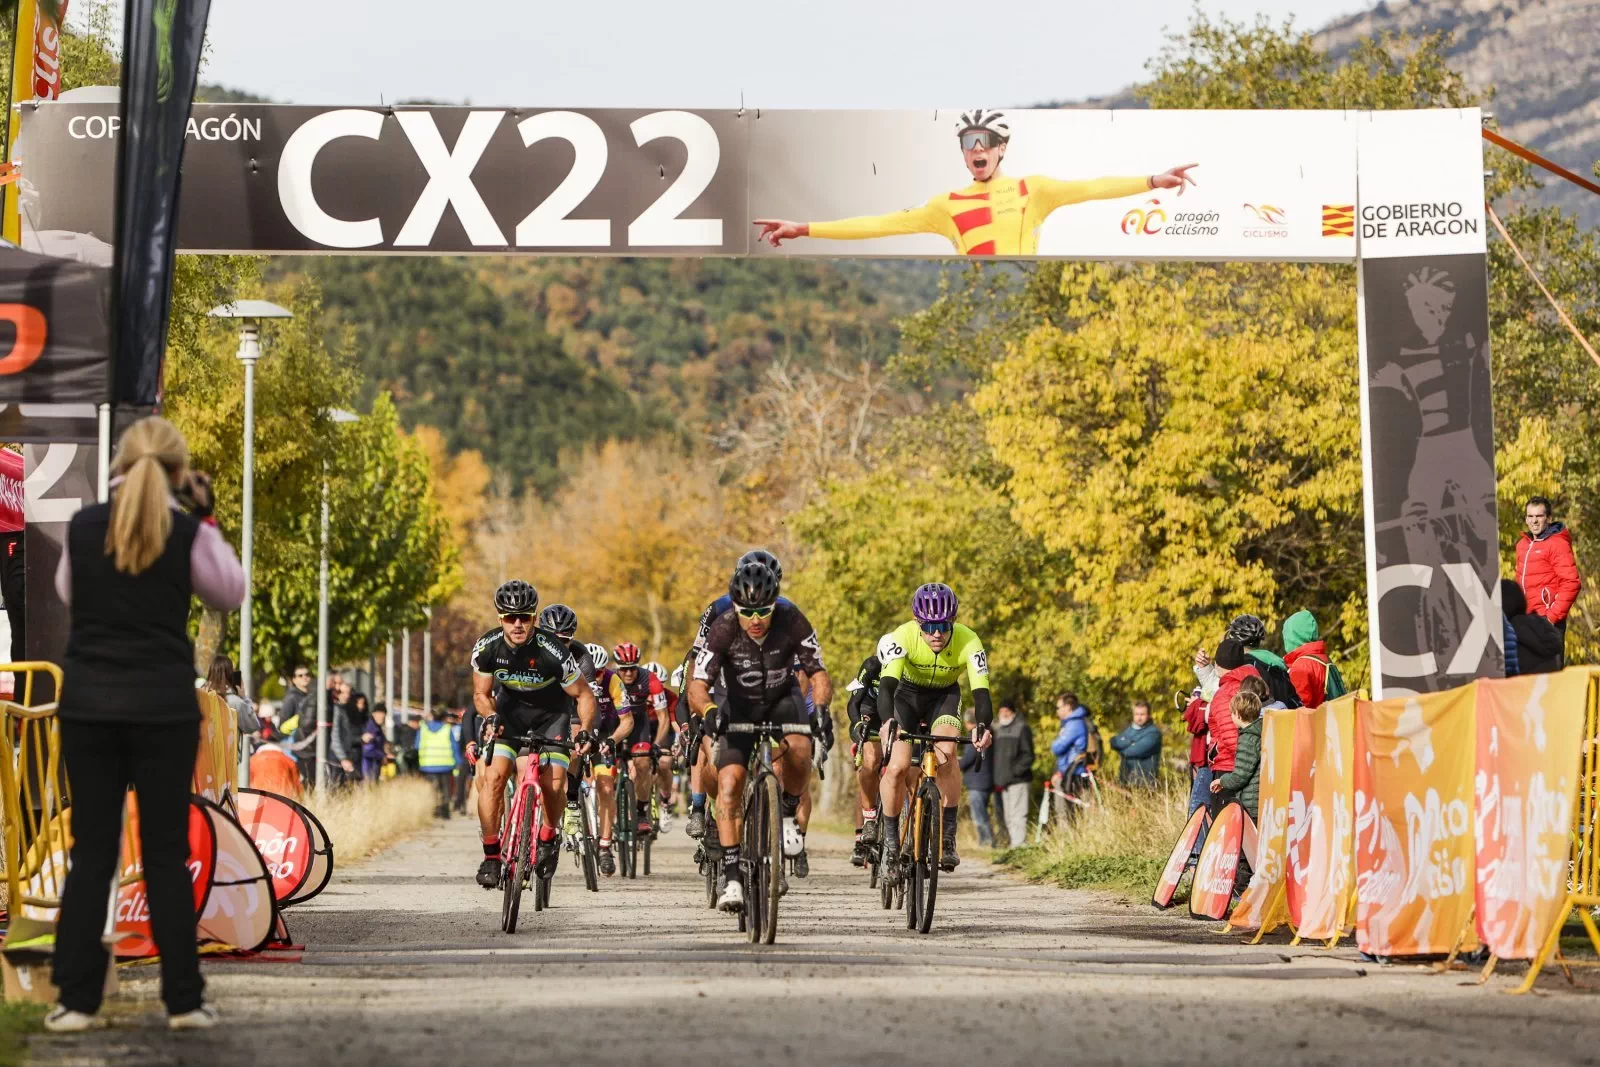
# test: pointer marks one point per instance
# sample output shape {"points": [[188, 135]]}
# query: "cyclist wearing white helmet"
{"points": [[996, 215], [612, 728], [665, 743]]}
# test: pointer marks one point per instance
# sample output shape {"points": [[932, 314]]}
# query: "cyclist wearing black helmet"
{"points": [[755, 647], [521, 681]]}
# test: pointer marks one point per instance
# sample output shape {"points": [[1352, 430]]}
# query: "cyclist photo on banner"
{"points": [[995, 214]]}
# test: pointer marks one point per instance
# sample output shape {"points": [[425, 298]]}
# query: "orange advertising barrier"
{"points": [[1529, 740], [1414, 824], [1320, 840], [1178, 861], [273, 770], [1264, 906], [1219, 863]]}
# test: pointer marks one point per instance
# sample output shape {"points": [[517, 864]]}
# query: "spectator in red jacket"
{"points": [[1546, 567], [1221, 732], [1307, 658]]}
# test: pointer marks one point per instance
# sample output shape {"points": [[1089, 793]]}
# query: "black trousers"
{"points": [[441, 782], [103, 760]]}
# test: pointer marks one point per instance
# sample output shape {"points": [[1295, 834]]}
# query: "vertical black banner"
{"points": [[1431, 478], [161, 47]]}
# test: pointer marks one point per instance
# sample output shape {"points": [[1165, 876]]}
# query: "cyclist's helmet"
{"points": [[754, 585], [598, 656], [761, 555], [516, 597], [980, 119], [1248, 630], [658, 670], [934, 602], [677, 676], [559, 619], [626, 655]]}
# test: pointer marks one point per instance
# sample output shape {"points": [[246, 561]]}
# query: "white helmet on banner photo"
{"points": [[981, 119]]}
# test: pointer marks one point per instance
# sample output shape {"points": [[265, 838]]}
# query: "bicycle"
{"points": [[629, 842], [761, 845], [922, 834], [519, 828], [578, 827]]}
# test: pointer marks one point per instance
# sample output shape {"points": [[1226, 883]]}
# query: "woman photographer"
{"points": [[128, 710]]}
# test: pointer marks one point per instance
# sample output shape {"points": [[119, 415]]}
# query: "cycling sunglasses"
{"points": [[937, 627], [516, 616], [971, 139], [756, 613]]}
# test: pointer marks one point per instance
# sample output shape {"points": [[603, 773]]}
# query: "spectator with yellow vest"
{"points": [[438, 752]]}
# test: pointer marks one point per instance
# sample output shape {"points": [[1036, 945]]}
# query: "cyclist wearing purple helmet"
{"points": [[921, 681]]}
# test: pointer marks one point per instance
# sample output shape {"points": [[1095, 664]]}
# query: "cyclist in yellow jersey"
{"points": [[921, 683], [994, 216]]}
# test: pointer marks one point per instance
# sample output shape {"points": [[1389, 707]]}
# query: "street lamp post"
{"points": [[249, 314], [339, 418]]}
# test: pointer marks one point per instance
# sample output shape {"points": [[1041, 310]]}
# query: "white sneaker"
{"points": [[794, 842], [202, 1018], [666, 821], [732, 898], [66, 1021]]}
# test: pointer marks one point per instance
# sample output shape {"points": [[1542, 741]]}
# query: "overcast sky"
{"points": [[703, 53]]}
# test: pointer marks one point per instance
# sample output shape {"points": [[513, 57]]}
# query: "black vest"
{"points": [[129, 656]]}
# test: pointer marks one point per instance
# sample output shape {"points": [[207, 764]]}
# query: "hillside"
{"points": [[524, 358], [1542, 58]]}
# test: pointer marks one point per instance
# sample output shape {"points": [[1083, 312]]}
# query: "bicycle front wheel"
{"points": [[770, 857], [591, 864], [926, 868], [521, 845], [626, 825]]}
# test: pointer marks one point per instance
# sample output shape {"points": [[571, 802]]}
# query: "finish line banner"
{"points": [[1123, 185]]}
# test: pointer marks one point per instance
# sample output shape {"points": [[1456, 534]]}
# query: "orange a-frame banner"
{"points": [[1321, 818], [1530, 734], [1264, 904], [1414, 824]]}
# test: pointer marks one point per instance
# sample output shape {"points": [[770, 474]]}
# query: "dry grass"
{"points": [[1121, 844], [364, 820]]}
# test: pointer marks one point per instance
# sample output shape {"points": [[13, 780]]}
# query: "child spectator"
{"points": [[1242, 783]]}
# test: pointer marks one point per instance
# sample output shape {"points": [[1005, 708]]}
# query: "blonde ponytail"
{"points": [[150, 457]]}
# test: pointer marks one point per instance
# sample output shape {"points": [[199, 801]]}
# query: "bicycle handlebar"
{"points": [[771, 729]]}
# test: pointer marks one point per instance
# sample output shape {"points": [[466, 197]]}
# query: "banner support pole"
{"points": [[105, 453]]}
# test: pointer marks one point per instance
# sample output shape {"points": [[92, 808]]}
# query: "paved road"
{"points": [[405, 964]]}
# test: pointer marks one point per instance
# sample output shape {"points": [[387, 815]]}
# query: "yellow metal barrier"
{"points": [[37, 835], [1583, 883]]}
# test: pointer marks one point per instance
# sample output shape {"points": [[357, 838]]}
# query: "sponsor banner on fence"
{"points": [[1530, 734], [1215, 872], [275, 178], [1321, 819], [1263, 902], [1414, 823], [1182, 851], [1427, 423]]}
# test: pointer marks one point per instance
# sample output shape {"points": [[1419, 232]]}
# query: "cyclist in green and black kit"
{"points": [[920, 682]]}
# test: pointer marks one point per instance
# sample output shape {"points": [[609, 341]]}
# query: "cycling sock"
{"points": [[789, 805], [605, 842], [697, 802], [950, 823], [891, 830], [547, 832], [491, 848], [730, 859], [868, 814]]}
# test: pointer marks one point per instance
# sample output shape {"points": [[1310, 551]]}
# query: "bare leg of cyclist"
{"points": [[730, 824], [643, 782], [605, 801], [948, 777], [553, 786], [867, 777], [664, 790]]}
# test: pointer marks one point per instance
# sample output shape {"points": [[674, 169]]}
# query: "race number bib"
{"points": [[702, 664], [889, 649], [980, 662]]}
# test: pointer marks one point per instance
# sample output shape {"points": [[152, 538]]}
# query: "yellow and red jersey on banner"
{"points": [[1321, 817], [999, 217], [1414, 824], [1264, 903], [1529, 741], [1219, 865], [1172, 874]]}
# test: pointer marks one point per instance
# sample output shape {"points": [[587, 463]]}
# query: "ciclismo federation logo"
{"points": [[1149, 219], [1265, 220]]}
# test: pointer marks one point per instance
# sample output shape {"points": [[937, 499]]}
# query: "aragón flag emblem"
{"points": [[1338, 220]]}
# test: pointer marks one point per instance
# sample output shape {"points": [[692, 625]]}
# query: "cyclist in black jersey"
{"points": [[522, 679], [755, 646], [864, 736]]}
